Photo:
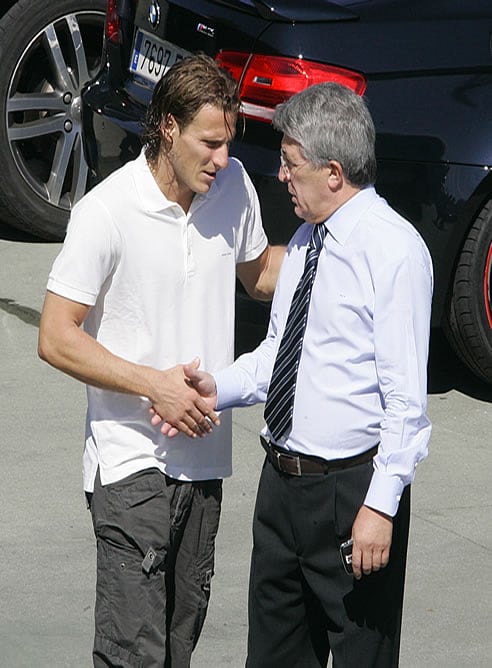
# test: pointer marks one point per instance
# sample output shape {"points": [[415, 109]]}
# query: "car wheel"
{"points": [[48, 50], [469, 316]]}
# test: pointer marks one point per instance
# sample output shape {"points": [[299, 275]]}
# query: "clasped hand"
{"points": [[192, 410]]}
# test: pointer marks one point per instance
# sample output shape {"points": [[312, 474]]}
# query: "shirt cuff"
{"points": [[384, 493], [227, 390]]}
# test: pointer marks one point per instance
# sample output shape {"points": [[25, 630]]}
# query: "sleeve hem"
{"points": [[67, 291], [227, 393], [384, 493]]}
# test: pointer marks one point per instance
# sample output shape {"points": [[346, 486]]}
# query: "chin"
{"points": [[204, 187]]}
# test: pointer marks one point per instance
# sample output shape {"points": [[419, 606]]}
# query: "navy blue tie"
{"points": [[279, 404]]}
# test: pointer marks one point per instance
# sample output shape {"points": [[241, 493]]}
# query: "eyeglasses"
{"points": [[290, 170]]}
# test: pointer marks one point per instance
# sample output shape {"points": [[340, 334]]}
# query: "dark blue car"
{"points": [[425, 69]]}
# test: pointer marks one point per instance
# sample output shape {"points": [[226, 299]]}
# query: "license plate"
{"points": [[152, 57]]}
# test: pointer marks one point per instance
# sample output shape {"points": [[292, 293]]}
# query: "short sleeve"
{"points": [[251, 238], [88, 255]]}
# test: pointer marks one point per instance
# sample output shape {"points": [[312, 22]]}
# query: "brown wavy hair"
{"points": [[185, 88]]}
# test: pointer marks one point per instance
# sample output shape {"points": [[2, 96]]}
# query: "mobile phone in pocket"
{"points": [[346, 555]]}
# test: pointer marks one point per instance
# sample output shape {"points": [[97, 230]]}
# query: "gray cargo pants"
{"points": [[155, 560]]}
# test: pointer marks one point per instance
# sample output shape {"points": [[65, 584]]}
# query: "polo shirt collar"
{"points": [[345, 219], [152, 197]]}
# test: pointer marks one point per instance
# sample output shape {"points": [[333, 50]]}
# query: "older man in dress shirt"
{"points": [[342, 454]]}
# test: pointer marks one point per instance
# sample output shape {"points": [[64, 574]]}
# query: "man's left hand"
{"points": [[372, 533]]}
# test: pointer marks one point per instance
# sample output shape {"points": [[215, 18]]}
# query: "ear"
{"points": [[335, 175], [168, 128]]}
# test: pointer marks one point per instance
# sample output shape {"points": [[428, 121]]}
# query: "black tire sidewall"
{"points": [[22, 206], [468, 323]]}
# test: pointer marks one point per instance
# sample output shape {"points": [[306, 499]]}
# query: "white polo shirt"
{"points": [[161, 284]]}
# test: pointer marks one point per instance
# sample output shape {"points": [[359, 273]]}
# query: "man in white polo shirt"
{"points": [[146, 279]]}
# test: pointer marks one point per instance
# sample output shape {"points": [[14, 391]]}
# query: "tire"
{"points": [[469, 315], [48, 50]]}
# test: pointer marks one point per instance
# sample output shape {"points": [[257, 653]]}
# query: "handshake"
{"points": [[188, 403]]}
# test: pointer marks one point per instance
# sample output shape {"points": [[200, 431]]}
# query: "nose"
{"points": [[221, 157], [282, 176]]}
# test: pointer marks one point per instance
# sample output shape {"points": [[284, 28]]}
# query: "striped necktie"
{"points": [[280, 398]]}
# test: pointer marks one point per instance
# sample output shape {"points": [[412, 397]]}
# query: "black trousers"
{"points": [[155, 560], [302, 603]]}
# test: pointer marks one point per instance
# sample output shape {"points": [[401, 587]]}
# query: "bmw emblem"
{"points": [[154, 16]]}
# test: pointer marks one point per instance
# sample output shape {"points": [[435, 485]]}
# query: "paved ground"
{"points": [[47, 548]]}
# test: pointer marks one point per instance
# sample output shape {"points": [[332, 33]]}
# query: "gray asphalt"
{"points": [[47, 555]]}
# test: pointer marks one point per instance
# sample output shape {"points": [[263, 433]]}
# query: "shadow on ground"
{"points": [[9, 233], [447, 372]]}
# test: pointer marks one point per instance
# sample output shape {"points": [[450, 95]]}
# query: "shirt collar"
{"points": [[345, 219], [152, 197]]}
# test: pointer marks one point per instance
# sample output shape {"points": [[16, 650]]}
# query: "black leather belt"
{"points": [[295, 464]]}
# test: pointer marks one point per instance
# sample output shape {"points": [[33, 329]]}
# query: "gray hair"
{"points": [[331, 122]]}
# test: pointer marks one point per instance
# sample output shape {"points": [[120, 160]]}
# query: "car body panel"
{"points": [[428, 68]]}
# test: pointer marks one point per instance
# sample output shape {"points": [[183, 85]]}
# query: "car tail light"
{"points": [[265, 81], [112, 28], [233, 61]]}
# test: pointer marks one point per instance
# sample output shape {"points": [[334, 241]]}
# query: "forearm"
{"points": [[79, 355], [259, 277], [64, 345], [268, 279], [245, 382], [401, 340], [395, 463]]}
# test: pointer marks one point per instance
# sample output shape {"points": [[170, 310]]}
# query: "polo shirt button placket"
{"points": [[189, 249]]}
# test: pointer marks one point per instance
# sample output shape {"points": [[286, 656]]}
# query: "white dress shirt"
{"points": [[362, 375]]}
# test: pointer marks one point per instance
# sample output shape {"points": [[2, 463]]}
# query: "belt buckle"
{"points": [[292, 458]]}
